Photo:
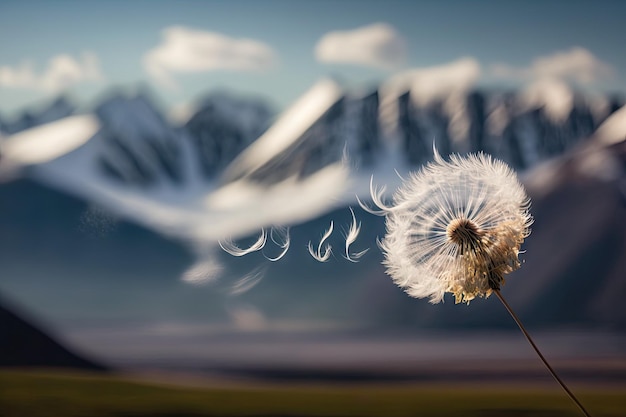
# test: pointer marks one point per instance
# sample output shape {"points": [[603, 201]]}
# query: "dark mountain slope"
{"points": [[23, 344]]}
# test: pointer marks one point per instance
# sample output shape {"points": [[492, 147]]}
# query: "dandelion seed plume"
{"points": [[377, 195], [203, 272], [319, 255], [248, 281], [280, 236], [456, 227], [231, 248], [351, 235]]}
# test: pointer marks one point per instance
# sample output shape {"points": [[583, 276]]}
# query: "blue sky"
{"points": [[182, 50]]}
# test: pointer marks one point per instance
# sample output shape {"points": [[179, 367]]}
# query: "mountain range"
{"points": [[122, 231]]}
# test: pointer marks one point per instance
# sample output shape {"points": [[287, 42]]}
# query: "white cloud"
{"points": [[185, 50], [377, 45], [577, 64], [62, 72], [437, 82]]}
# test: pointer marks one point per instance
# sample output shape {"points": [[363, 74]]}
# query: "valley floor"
{"points": [[40, 393]]}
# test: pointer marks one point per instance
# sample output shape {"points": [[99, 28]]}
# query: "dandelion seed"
{"points": [[457, 227], [345, 155], [248, 281], [229, 246], [279, 235], [203, 272], [377, 195], [351, 236], [318, 255], [282, 239]]}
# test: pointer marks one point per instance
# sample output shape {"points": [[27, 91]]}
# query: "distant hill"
{"points": [[24, 345]]}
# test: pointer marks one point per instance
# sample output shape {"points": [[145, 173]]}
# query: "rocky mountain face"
{"points": [[142, 149], [139, 148], [496, 123], [222, 127], [358, 128]]}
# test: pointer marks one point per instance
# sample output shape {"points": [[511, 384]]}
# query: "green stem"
{"points": [[543, 359]]}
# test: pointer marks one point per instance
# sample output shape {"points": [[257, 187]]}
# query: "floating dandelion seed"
{"points": [[280, 236], [351, 236], [203, 272], [457, 227], [248, 281], [229, 246], [318, 255], [376, 194]]}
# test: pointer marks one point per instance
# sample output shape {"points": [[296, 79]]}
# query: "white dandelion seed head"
{"points": [[456, 227]]}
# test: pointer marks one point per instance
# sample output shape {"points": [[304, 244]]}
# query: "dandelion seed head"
{"points": [[464, 233], [456, 227]]}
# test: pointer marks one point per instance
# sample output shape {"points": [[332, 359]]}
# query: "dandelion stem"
{"points": [[543, 359]]}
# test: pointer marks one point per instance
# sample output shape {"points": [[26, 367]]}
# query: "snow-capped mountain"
{"points": [[303, 170], [58, 109]]}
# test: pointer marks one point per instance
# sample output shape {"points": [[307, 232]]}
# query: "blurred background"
{"points": [[135, 137]]}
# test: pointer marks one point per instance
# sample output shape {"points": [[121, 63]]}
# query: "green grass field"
{"points": [[39, 394]]}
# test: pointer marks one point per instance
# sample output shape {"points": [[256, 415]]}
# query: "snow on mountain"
{"points": [[43, 143], [502, 124], [317, 156], [556, 97], [275, 149], [595, 158], [441, 89], [613, 130]]}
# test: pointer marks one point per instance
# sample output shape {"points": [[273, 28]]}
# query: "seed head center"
{"points": [[464, 232]]}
